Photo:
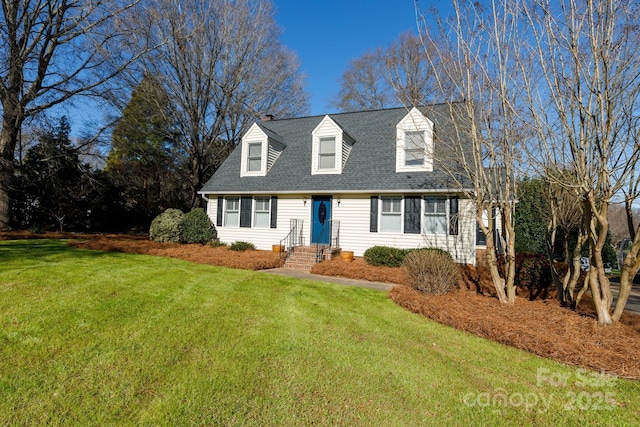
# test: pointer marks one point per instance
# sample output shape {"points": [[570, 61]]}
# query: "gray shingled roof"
{"points": [[369, 167]]}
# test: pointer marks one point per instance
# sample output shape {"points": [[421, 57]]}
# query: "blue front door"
{"points": [[320, 221]]}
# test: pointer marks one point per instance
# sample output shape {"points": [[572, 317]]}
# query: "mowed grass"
{"points": [[92, 338]]}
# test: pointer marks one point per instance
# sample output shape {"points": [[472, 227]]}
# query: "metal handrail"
{"points": [[294, 238], [330, 232]]}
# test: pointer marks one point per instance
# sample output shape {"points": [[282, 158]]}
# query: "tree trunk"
{"points": [[629, 269], [491, 257], [8, 138], [510, 253]]}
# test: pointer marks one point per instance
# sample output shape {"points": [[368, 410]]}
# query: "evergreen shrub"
{"points": [[166, 226], [196, 227]]}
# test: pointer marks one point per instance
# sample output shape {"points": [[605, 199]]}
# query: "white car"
{"points": [[607, 268], [584, 263]]}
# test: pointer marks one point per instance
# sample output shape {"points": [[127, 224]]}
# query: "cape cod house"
{"points": [[347, 180]]}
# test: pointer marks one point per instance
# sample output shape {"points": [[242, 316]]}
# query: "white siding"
{"points": [[353, 214], [263, 238], [274, 152]]}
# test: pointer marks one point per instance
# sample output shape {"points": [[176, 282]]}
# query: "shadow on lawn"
{"points": [[41, 250]]}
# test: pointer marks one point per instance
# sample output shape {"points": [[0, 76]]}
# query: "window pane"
{"points": [[414, 148], [414, 141], [435, 224], [391, 223], [255, 150], [233, 204], [232, 219], [253, 165], [261, 219], [435, 205], [232, 212], [327, 161], [262, 204], [435, 215], [327, 146], [414, 158], [391, 204]]}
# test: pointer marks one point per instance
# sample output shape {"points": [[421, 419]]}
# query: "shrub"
{"points": [[533, 273], [217, 243], [196, 227], [242, 246], [166, 226], [384, 256], [438, 250], [432, 271]]}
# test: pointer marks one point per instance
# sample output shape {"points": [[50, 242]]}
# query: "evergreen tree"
{"points": [[531, 216], [52, 184], [144, 163]]}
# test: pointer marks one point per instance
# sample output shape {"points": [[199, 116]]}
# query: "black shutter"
{"points": [[373, 217], [412, 215], [219, 213], [245, 211], [274, 211], [453, 216]]}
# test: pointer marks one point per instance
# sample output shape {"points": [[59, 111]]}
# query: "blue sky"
{"points": [[327, 34]]}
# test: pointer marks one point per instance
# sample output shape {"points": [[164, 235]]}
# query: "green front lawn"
{"points": [[93, 338]]}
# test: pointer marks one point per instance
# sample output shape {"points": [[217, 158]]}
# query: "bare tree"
{"points": [[478, 65], [401, 74], [565, 218], [51, 51], [589, 66], [222, 66]]}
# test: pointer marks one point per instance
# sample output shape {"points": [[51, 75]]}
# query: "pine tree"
{"points": [[143, 161]]}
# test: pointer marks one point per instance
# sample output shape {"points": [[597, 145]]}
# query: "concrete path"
{"points": [[299, 274]]}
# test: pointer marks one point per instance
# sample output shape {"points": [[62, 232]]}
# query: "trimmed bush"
{"points": [[166, 226], [242, 246], [196, 227], [432, 271], [384, 256]]}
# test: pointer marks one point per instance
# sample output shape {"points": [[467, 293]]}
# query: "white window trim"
{"points": [[423, 214], [414, 121], [226, 211], [255, 211], [326, 129], [254, 135], [381, 214]]}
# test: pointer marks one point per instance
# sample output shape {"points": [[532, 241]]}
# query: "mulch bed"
{"points": [[539, 326], [202, 254]]}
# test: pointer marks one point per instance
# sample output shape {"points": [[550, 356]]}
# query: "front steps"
{"points": [[304, 257]]}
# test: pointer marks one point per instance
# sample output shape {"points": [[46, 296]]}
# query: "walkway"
{"points": [[300, 274]]}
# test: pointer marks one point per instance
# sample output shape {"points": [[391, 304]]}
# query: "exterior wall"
{"points": [[352, 211], [289, 207], [353, 214]]}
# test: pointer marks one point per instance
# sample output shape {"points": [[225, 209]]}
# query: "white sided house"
{"points": [[347, 182]]}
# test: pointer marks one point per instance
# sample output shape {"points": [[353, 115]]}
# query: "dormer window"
{"points": [[414, 143], [330, 149], [414, 149], [260, 149], [254, 157], [327, 153]]}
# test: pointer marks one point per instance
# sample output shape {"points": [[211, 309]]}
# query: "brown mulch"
{"points": [[538, 326], [360, 270], [202, 254]]}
